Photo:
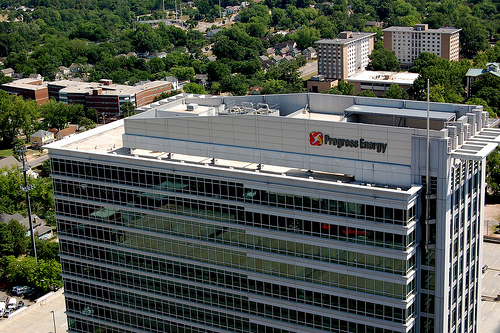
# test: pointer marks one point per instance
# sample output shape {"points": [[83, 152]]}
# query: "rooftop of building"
{"points": [[491, 67], [108, 88], [291, 115], [384, 77], [346, 37], [423, 28], [26, 83]]}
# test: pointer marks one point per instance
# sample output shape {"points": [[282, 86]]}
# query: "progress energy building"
{"points": [[281, 213]]}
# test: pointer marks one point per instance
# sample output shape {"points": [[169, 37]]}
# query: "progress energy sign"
{"points": [[320, 139]]}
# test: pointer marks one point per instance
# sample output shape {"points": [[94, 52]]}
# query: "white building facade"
{"points": [[342, 57], [282, 213], [409, 42]]}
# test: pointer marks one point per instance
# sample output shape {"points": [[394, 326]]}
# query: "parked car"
{"points": [[18, 290], [12, 303], [2, 308], [20, 304], [7, 313]]}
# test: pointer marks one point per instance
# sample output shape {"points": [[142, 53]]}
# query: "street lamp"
{"points": [[54, 319]]}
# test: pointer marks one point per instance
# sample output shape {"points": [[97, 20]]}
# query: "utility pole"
{"points": [[27, 188]]}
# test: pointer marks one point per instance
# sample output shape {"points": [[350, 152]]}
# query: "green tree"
{"points": [[47, 250], [366, 93], [473, 37], [6, 240], [127, 109], [235, 84], [20, 240], [194, 88], [394, 92], [10, 122], [216, 70], [46, 168], [56, 114], [182, 73], [487, 87], [493, 173], [480, 101], [342, 88], [86, 123], [306, 37], [215, 88], [383, 60]]}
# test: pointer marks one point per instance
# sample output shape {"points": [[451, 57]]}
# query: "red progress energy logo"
{"points": [[316, 138]]}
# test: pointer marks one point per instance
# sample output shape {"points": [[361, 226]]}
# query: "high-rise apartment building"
{"points": [[344, 56], [409, 42], [281, 213]]}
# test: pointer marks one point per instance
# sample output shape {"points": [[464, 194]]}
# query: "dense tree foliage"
{"points": [[44, 275], [13, 199], [383, 60]]}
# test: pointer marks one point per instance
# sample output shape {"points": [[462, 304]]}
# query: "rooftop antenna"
{"points": [[26, 189]]}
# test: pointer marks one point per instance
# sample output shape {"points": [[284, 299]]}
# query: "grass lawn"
{"points": [[307, 77], [5, 153]]}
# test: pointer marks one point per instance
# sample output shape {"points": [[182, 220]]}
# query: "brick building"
{"points": [[28, 88], [106, 97]]}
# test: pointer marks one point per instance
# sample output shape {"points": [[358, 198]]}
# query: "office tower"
{"points": [[344, 56], [280, 213], [409, 42]]}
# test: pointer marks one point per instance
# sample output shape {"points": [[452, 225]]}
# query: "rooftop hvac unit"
{"points": [[192, 107]]}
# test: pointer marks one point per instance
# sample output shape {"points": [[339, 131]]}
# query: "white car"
{"points": [[12, 303]]}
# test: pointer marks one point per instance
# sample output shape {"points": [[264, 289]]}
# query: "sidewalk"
{"points": [[38, 318]]}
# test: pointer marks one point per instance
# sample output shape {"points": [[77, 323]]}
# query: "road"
{"points": [[38, 161], [309, 68]]}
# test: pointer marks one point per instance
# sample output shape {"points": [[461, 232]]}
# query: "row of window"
{"points": [[79, 325], [141, 320], [181, 290], [205, 316], [159, 306], [226, 190], [164, 266], [240, 260], [239, 238], [168, 224]]}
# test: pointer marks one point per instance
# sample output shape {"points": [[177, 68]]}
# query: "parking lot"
{"points": [[7, 292], [45, 316]]}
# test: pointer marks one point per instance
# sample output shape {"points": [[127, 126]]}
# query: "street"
{"points": [[309, 68]]}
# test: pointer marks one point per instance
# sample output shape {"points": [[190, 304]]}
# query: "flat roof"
{"points": [[355, 36], [384, 76], [410, 113], [112, 89], [445, 30], [317, 116], [26, 83]]}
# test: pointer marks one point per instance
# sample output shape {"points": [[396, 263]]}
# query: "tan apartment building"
{"points": [[409, 42], [344, 56]]}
